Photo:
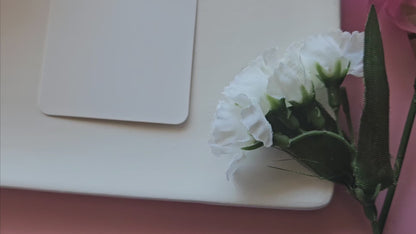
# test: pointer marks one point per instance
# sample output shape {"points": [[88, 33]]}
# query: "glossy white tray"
{"points": [[148, 160], [119, 60]]}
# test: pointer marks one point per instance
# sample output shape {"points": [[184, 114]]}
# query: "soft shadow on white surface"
{"points": [[259, 178]]}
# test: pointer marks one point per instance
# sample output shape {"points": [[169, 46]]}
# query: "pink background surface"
{"points": [[43, 212]]}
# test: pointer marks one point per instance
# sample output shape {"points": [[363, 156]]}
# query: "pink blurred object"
{"points": [[402, 13], [397, 22]]}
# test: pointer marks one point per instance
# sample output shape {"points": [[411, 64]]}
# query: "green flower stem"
{"points": [[334, 99], [336, 111], [376, 227], [399, 160], [334, 95], [371, 213], [346, 109]]}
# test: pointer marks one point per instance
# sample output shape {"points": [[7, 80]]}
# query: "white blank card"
{"points": [[119, 59]]}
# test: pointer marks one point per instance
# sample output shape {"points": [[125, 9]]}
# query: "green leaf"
{"points": [[325, 153], [372, 167]]}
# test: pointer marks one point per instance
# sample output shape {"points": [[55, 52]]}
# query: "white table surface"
{"points": [[148, 160]]}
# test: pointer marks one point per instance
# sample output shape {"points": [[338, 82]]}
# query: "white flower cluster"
{"points": [[240, 121]]}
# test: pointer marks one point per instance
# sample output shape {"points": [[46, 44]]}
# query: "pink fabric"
{"points": [[38, 212]]}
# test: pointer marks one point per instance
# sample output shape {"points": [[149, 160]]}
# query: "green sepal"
{"points": [[281, 118], [310, 116], [280, 140], [325, 153], [333, 82], [372, 167], [337, 76], [307, 97], [276, 104], [315, 117], [334, 96], [254, 146]]}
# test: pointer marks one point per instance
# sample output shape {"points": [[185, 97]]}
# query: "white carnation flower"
{"points": [[333, 49], [229, 135], [248, 92], [240, 123], [252, 80], [290, 80], [240, 119], [236, 128]]}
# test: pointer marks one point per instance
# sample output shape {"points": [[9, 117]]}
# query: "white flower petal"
{"points": [[270, 59], [252, 80], [235, 164], [254, 120], [327, 49], [290, 76], [227, 130], [240, 118], [353, 50]]}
